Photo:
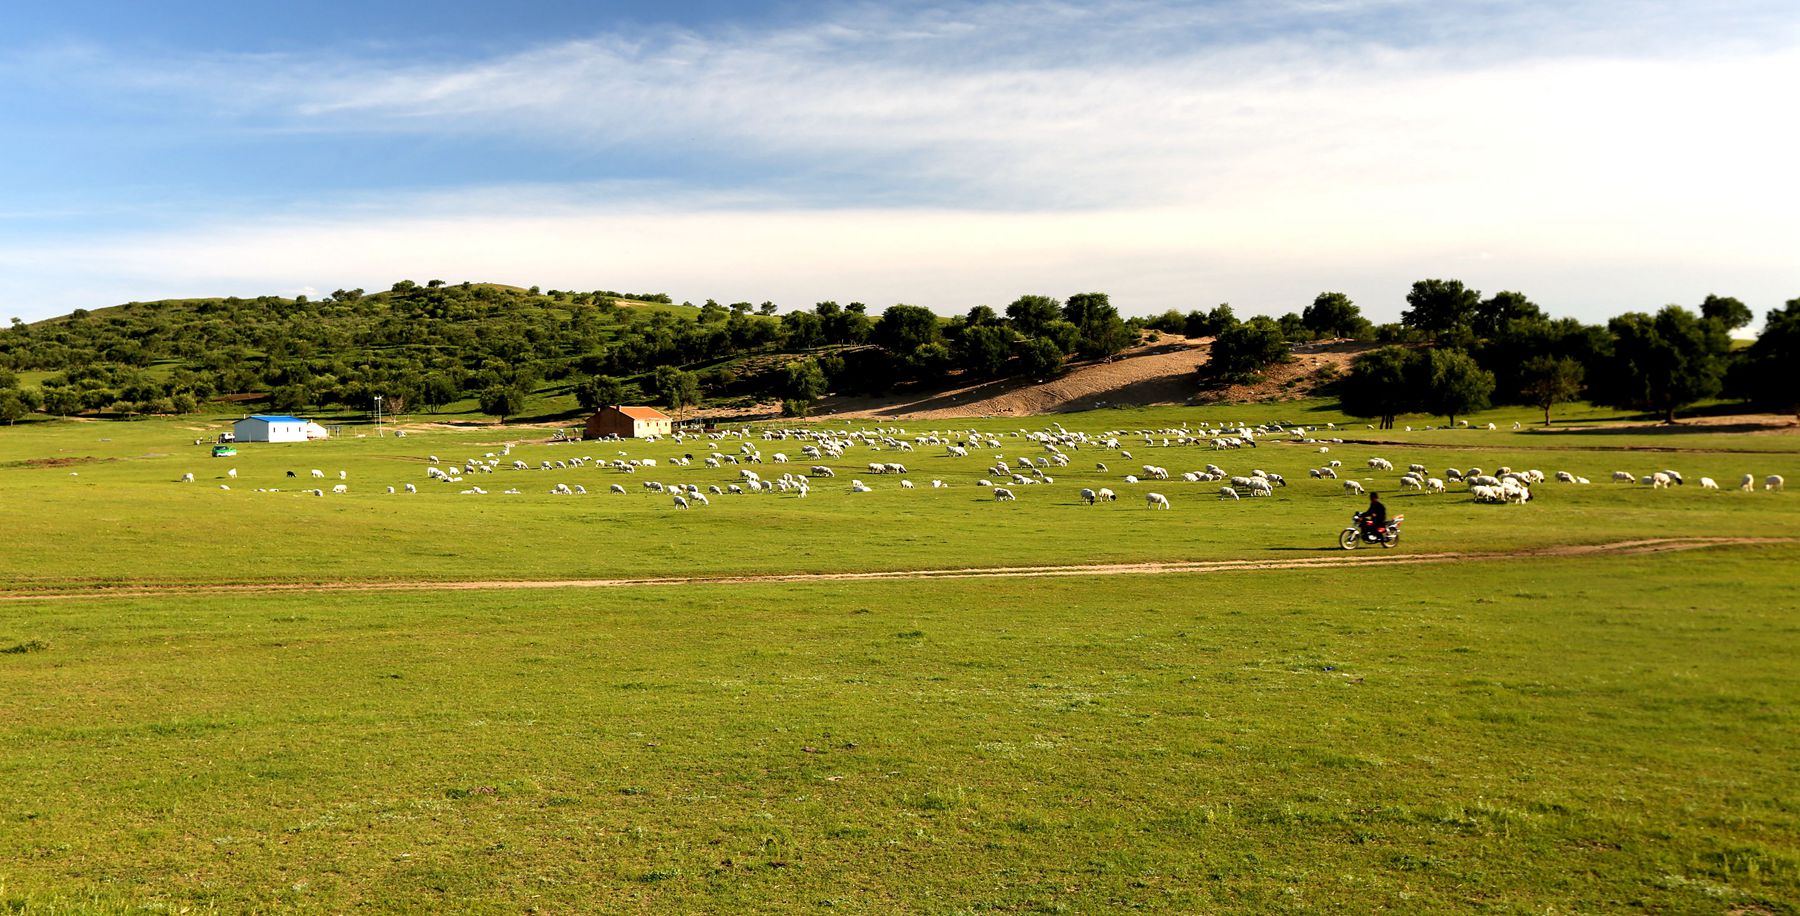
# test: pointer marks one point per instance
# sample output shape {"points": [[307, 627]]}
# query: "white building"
{"points": [[270, 429]]}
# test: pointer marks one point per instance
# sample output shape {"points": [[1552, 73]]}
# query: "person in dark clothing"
{"points": [[1374, 518]]}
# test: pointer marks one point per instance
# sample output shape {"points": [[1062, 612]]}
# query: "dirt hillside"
{"points": [[1149, 374]]}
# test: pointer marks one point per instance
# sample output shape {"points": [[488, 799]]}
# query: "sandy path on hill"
{"points": [[1335, 558]]}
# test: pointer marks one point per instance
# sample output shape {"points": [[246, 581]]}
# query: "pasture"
{"points": [[188, 725]]}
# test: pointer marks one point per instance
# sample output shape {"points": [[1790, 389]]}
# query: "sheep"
{"points": [[1351, 486], [390, 491], [1259, 486], [1106, 495], [1002, 494], [1416, 469], [617, 489], [906, 484], [1155, 501], [1748, 484], [698, 498], [1707, 483], [681, 502], [318, 474], [1564, 477], [1434, 485], [937, 485], [1087, 496], [984, 482], [188, 477], [1410, 482], [1334, 463], [1675, 476], [1100, 466], [1130, 478], [226, 486], [231, 473], [1380, 464], [1624, 477], [857, 486], [1774, 483], [1226, 493], [1453, 474], [292, 474]]}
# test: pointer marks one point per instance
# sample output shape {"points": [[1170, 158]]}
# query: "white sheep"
{"points": [[1105, 494], [1351, 486], [906, 484], [1748, 483], [1227, 493], [1087, 496], [410, 488], [390, 491], [1707, 483], [937, 485], [681, 502], [318, 474], [231, 473], [1002, 494], [1624, 477], [1774, 482], [1259, 486], [617, 489], [1155, 501], [188, 477], [1434, 485]]}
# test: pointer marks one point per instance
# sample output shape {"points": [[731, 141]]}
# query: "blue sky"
{"points": [[1597, 156]]}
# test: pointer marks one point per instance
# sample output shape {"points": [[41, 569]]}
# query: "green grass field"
{"points": [[1501, 733]]}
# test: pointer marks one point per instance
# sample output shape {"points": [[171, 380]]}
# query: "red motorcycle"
{"points": [[1387, 535]]}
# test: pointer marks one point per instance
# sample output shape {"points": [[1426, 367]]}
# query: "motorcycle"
{"points": [[1386, 536]]}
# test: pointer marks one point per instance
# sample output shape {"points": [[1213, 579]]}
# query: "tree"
{"points": [[1333, 315], [1438, 306], [1494, 315], [1103, 332], [597, 391], [1726, 310], [1665, 362], [767, 308], [436, 390], [62, 402], [1550, 380], [1029, 314], [804, 381], [13, 406], [1247, 347], [502, 401], [905, 328], [676, 388], [983, 349], [1771, 360], [1040, 356], [1455, 384], [1380, 384]]}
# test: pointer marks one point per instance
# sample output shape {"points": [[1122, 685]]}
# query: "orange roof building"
{"points": [[628, 423]]}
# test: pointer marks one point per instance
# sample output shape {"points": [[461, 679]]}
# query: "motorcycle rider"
{"points": [[1374, 518]]}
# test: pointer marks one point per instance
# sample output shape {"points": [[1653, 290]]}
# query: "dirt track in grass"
{"points": [[1328, 558]]}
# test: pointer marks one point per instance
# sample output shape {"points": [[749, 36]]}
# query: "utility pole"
{"points": [[378, 415]]}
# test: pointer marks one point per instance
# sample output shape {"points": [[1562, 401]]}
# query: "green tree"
{"points": [[1247, 347], [1334, 315], [502, 401], [1437, 306], [1729, 312], [1029, 314], [1497, 313], [983, 349], [1771, 361], [676, 388], [804, 380], [597, 391], [1454, 384], [905, 328], [1040, 357], [1665, 362], [1380, 384], [13, 406], [62, 402], [1547, 381], [1103, 332]]}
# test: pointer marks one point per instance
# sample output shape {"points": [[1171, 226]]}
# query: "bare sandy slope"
{"points": [[1145, 375]]}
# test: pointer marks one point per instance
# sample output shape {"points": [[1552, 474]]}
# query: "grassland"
{"points": [[1509, 734]]}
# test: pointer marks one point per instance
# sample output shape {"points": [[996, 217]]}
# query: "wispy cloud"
{"points": [[1179, 153]]}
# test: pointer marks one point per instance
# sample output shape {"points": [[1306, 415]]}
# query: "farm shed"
{"points": [[261, 428], [628, 423]]}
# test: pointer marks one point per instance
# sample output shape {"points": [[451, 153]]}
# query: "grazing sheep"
{"points": [[390, 490], [317, 492], [1099, 466], [231, 473], [340, 488], [318, 474], [1624, 477], [1228, 493], [410, 488], [1002, 494], [1334, 463], [292, 474], [617, 489], [1129, 478], [1259, 486], [1351, 486], [1087, 496], [1155, 501], [1380, 464], [1434, 485], [1707, 483], [188, 477], [1564, 477], [1774, 482], [224, 486], [1105, 494], [681, 502], [937, 485], [857, 486], [1416, 469], [1748, 483]]}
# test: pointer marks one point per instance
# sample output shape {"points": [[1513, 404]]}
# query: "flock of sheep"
{"points": [[1045, 451]]}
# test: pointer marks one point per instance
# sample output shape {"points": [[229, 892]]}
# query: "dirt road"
{"points": [[1328, 559]]}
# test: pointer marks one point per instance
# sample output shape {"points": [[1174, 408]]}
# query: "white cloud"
{"points": [[1174, 155]]}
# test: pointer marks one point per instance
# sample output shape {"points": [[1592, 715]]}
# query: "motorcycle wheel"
{"points": [[1347, 540], [1392, 539]]}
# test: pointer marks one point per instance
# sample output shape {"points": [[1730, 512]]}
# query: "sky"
{"points": [[1599, 157]]}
